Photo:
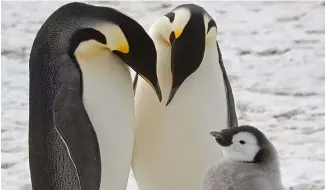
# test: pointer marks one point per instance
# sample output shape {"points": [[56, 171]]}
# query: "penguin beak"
{"points": [[221, 138], [187, 51], [172, 94], [217, 135], [142, 58]]}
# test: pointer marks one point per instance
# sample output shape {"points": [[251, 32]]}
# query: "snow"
{"points": [[274, 53]]}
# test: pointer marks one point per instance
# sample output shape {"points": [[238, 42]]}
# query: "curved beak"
{"points": [[187, 51], [142, 58]]}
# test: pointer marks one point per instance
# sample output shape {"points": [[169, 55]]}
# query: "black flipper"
{"points": [[63, 146], [232, 116], [74, 127], [135, 82]]}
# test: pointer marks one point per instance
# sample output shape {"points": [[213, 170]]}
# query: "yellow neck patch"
{"points": [[115, 37], [124, 48]]}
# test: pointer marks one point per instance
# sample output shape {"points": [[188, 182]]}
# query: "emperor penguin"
{"points": [[81, 112], [250, 162], [171, 151]]}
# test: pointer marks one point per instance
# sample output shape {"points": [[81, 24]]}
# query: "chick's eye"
{"points": [[242, 142]]}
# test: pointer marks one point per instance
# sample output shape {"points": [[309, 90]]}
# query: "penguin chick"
{"points": [[250, 162]]}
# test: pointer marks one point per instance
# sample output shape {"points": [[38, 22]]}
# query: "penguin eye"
{"points": [[242, 142]]}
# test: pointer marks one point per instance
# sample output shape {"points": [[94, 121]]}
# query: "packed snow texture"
{"points": [[274, 53]]}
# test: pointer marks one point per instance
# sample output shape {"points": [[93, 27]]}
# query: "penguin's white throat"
{"points": [[109, 103], [106, 83]]}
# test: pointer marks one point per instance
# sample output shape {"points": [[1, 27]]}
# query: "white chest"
{"points": [[108, 100], [175, 139]]}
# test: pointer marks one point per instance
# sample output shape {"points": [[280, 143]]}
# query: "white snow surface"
{"points": [[274, 53]]}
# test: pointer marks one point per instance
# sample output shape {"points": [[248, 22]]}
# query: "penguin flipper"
{"points": [[232, 116], [135, 82], [75, 129]]}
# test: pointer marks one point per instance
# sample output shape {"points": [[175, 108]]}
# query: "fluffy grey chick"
{"points": [[250, 162]]}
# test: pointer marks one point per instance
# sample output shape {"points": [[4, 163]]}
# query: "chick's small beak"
{"points": [[221, 138], [217, 135]]}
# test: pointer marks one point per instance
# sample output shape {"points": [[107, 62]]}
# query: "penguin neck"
{"points": [[269, 158], [109, 103], [106, 80]]}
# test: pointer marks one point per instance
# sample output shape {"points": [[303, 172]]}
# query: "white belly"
{"points": [[173, 147], [109, 102]]}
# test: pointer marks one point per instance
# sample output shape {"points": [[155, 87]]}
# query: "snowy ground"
{"points": [[274, 53]]}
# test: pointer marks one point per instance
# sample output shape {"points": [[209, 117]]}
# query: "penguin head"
{"points": [[111, 32], [186, 29], [244, 143]]}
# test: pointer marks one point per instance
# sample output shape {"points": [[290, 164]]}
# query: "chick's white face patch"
{"points": [[244, 147]]}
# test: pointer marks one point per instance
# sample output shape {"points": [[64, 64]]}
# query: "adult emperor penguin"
{"points": [[81, 97], [250, 162], [171, 151]]}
